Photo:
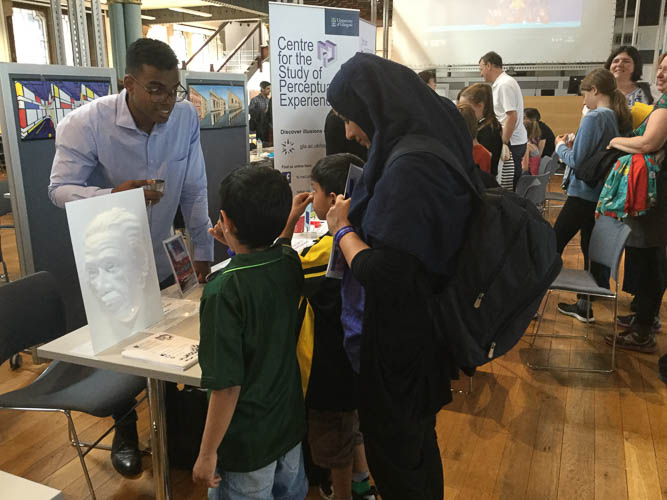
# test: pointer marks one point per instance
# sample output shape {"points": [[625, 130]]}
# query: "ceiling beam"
{"points": [[255, 7], [164, 16]]}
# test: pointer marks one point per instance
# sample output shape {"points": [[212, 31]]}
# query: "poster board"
{"points": [[42, 233], [225, 149], [308, 46]]}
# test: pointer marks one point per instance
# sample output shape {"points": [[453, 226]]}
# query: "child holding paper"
{"points": [[331, 400]]}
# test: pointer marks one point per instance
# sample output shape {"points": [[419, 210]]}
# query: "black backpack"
{"points": [[506, 263]]}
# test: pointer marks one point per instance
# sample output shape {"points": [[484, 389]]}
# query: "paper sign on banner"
{"points": [[114, 260], [308, 46], [367, 37]]}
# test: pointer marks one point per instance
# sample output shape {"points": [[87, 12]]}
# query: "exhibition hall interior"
{"points": [[338, 249]]}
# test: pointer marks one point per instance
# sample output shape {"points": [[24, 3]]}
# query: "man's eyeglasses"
{"points": [[159, 93]]}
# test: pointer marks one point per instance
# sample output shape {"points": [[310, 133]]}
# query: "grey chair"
{"points": [[543, 164], [606, 247], [33, 312], [5, 208], [537, 190], [553, 196], [524, 183]]}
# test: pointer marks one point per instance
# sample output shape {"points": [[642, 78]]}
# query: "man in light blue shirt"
{"points": [[121, 142], [146, 132]]}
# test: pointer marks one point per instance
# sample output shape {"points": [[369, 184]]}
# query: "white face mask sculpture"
{"points": [[116, 263]]}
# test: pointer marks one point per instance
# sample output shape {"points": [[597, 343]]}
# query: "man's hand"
{"points": [[337, 215], [204, 471], [202, 268], [151, 197]]}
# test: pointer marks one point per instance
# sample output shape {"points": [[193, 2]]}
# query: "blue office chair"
{"points": [[33, 312]]}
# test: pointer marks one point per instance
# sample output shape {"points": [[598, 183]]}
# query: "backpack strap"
{"points": [[424, 144]]}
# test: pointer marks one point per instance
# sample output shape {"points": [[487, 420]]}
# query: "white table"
{"points": [[181, 318]]}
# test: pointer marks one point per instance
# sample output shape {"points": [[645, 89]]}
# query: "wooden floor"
{"points": [[520, 434]]}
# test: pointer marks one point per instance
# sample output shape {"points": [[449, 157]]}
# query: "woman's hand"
{"points": [[337, 215]]}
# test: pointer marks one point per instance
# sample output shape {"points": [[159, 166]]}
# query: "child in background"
{"points": [[480, 154], [331, 400], [251, 447], [533, 156]]}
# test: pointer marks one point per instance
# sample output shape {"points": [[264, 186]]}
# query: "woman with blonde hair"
{"points": [[608, 117]]}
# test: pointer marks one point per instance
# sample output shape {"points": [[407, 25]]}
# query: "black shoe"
{"points": [[630, 320], [576, 312], [662, 368], [125, 454]]}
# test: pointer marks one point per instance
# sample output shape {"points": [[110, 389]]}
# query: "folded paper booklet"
{"points": [[165, 349], [337, 263]]}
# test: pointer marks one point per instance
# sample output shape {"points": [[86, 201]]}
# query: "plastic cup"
{"points": [[155, 185]]}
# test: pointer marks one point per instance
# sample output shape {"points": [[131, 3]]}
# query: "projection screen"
{"points": [[435, 33]]}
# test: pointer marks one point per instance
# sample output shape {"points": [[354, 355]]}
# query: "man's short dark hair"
{"points": [[264, 84], [331, 171], [258, 200], [532, 114], [426, 75], [150, 52], [493, 58]]}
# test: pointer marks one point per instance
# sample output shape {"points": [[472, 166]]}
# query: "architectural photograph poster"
{"points": [[218, 106]]}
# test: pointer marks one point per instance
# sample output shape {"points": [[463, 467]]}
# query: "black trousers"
{"points": [[650, 266], [403, 457], [579, 215]]}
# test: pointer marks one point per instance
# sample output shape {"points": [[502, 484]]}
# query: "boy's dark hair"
{"points": [[634, 55], [264, 84], [331, 171], [426, 75], [258, 200], [493, 58], [532, 114], [150, 52]]}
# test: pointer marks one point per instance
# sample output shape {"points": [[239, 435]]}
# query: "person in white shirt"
{"points": [[508, 106]]}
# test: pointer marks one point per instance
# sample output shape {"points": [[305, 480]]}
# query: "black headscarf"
{"points": [[389, 101]]}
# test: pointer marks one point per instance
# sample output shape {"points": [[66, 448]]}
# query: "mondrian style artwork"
{"points": [[43, 103], [218, 106]]}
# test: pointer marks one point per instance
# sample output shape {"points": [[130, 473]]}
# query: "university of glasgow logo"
{"points": [[327, 52]]}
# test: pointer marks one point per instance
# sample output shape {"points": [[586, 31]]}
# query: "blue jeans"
{"points": [[284, 479], [518, 151]]}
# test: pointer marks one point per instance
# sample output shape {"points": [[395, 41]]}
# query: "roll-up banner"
{"points": [[308, 46]]}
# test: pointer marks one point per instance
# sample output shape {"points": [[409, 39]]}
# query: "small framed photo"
{"points": [[181, 263]]}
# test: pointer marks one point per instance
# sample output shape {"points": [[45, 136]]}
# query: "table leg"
{"points": [[158, 428]]}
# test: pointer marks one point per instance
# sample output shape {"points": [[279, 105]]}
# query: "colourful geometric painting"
{"points": [[43, 103], [218, 106]]}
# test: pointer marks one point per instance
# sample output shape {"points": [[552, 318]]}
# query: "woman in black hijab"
{"points": [[405, 225]]}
